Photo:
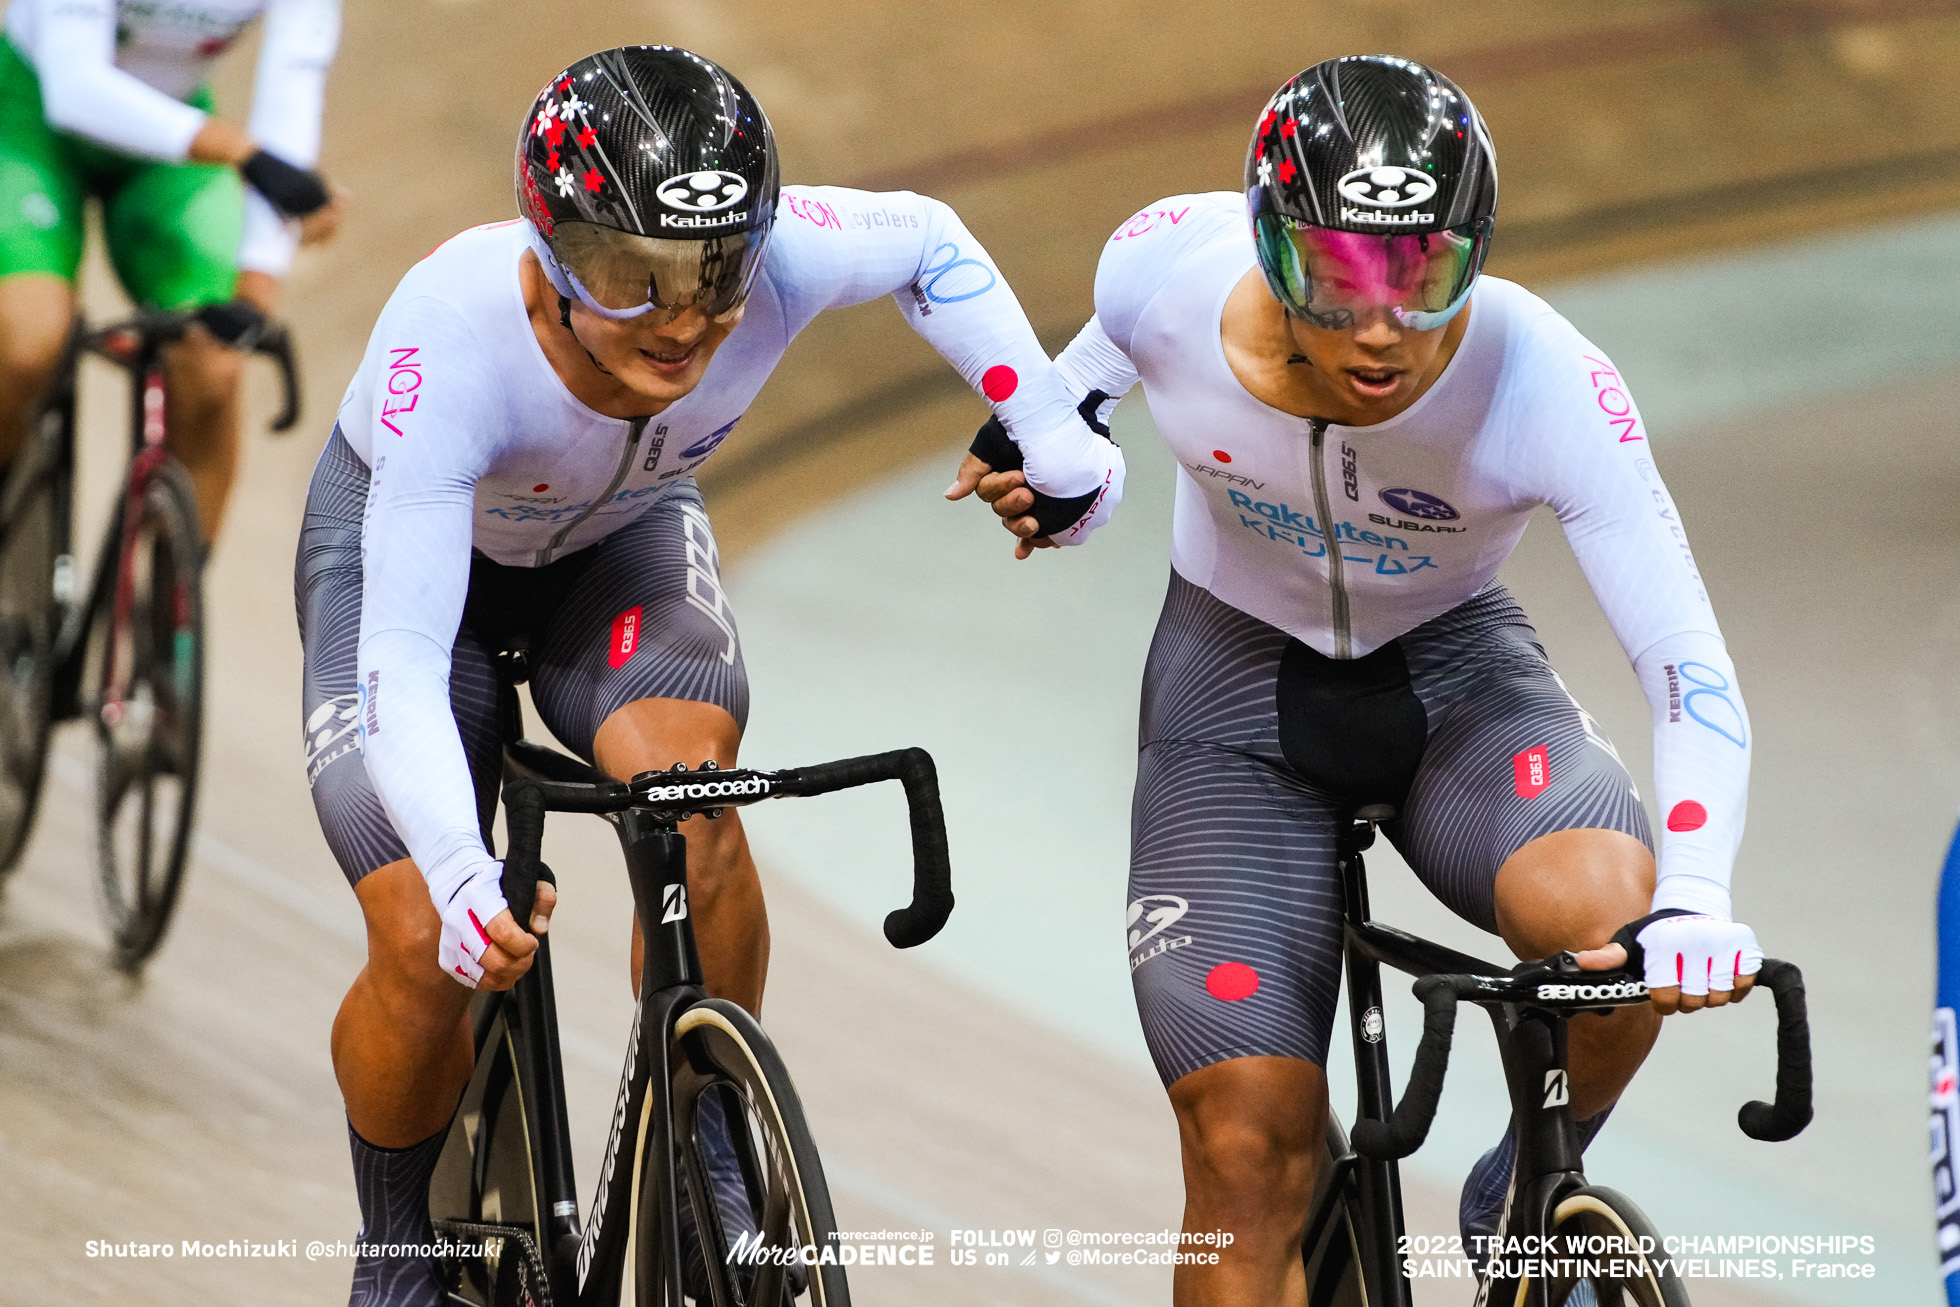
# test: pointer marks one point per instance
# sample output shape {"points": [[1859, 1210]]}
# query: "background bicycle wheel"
{"points": [[1733, 199]]}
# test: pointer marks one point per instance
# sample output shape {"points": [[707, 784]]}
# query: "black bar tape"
{"points": [[932, 873], [524, 823], [994, 447], [1792, 1111], [932, 890], [237, 323], [293, 191], [1403, 1133]]}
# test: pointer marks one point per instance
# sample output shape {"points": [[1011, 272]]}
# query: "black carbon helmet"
{"points": [[1370, 144], [650, 174]]}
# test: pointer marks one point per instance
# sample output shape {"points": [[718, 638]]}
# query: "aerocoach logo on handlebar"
{"points": [[747, 787], [1617, 990]]}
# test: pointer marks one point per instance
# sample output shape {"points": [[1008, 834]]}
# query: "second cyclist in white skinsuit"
{"points": [[512, 467], [1361, 442]]}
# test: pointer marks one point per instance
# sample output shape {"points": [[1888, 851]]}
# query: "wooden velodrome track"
{"points": [[200, 1104]]}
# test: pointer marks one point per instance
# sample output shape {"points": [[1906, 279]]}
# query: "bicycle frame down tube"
{"points": [[531, 1009], [1380, 1183], [1532, 1044], [670, 979]]}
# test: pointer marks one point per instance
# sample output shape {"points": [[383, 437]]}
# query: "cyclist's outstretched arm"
{"points": [[861, 245]]}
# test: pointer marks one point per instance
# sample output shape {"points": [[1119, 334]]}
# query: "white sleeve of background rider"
{"points": [[847, 247], [82, 90], [1579, 445], [301, 37], [1093, 361], [438, 411]]}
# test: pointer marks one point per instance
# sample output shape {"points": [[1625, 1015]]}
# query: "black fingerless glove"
{"points": [[1628, 938], [994, 447], [237, 323], [295, 192]]}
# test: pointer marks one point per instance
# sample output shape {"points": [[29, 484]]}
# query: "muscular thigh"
{"points": [[1510, 759], [645, 619], [1234, 915]]}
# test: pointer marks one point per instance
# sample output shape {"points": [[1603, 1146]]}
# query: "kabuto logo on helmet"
{"points": [[1387, 187], [703, 192]]}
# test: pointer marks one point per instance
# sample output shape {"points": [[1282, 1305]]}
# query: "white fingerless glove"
{"points": [[1698, 952], [468, 905]]}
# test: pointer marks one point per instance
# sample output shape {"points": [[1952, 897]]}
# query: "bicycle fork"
{"points": [[1549, 1162]]}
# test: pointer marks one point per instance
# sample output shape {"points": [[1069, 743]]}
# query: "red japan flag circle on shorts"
{"points": [[1532, 771], [625, 637], [1232, 981]]}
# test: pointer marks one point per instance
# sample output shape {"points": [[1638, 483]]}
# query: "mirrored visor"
{"points": [[1336, 279], [621, 274]]}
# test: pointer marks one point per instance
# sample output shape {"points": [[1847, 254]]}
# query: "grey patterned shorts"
{"points": [[640, 615], [1254, 750]]}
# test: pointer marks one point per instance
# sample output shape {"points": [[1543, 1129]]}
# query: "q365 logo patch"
{"points": [[702, 192], [1386, 187]]}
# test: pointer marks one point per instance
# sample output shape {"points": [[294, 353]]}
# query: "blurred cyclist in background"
{"points": [[1945, 1089], [513, 467], [108, 98], [1362, 442]]}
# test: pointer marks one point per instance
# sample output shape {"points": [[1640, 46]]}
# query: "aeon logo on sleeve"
{"points": [[1386, 187], [1419, 503], [1532, 771], [702, 192], [1149, 917]]}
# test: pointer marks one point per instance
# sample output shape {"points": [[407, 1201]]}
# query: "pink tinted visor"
{"points": [[1336, 279]]}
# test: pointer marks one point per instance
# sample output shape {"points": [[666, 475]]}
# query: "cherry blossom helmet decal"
{"points": [[648, 176], [1371, 184]]}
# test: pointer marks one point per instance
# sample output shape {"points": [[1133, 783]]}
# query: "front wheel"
{"points": [[757, 1227], [147, 642], [30, 616], [1608, 1254]]}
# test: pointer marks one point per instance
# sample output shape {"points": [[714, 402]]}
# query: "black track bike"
{"points": [[126, 650], [710, 1190], [1355, 1247]]}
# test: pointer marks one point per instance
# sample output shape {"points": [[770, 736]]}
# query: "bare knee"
{"points": [[33, 332], [1251, 1134], [404, 932], [1572, 889], [203, 369]]}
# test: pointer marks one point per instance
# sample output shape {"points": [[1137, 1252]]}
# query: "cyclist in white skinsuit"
{"points": [[1361, 443], [513, 463], [108, 99]]}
